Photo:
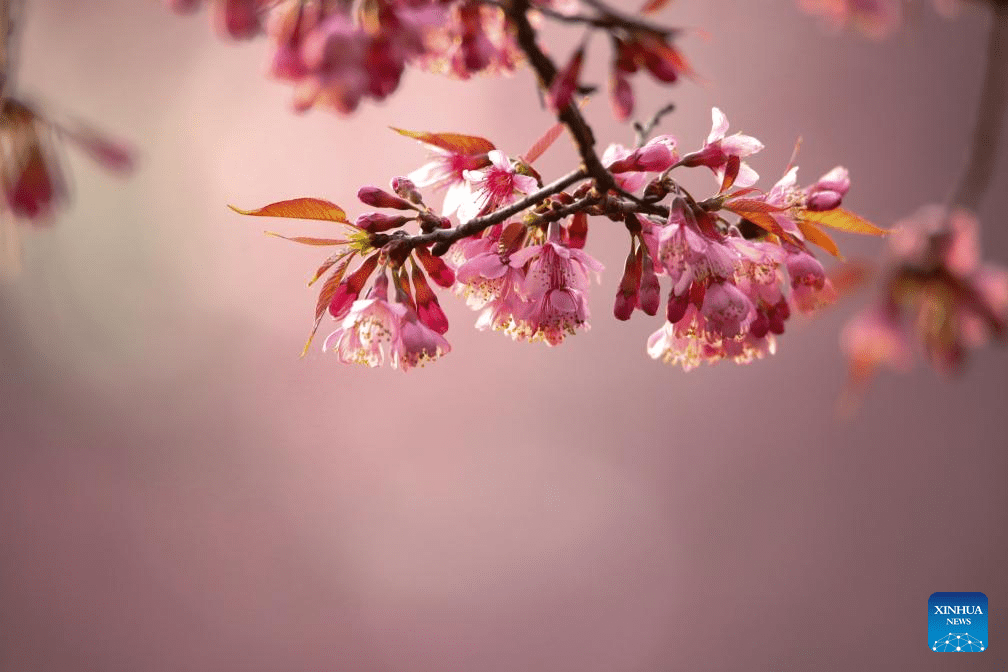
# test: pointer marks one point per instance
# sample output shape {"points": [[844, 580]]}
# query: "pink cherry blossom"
{"points": [[494, 186], [631, 167], [556, 288], [416, 344], [372, 326], [446, 170], [720, 147]]}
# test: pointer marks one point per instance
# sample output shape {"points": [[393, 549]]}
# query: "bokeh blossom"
{"points": [[938, 296]]}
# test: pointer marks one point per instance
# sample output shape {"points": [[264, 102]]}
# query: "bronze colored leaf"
{"points": [[456, 143], [300, 208]]}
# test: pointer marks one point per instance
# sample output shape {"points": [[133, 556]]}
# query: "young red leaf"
{"points": [[325, 297], [543, 143], [329, 263], [561, 90], [451, 142], [299, 208], [511, 238]]}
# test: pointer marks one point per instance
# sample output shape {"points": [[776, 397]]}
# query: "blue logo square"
{"points": [[957, 622]]}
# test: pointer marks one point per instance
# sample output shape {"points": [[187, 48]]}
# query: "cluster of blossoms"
{"points": [[335, 53], [517, 253], [33, 183], [937, 294], [875, 18]]}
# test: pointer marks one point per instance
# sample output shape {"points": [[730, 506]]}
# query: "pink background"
{"points": [[179, 492]]}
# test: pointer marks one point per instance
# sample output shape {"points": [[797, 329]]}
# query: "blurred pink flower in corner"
{"points": [[875, 18], [938, 294], [33, 183]]}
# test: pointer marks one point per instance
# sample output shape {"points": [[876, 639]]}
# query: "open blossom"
{"points": [[446, 170], [875, 18], [556, 291], [939, 294], [474, 39], [720, 147], [494, 186], [374, 325]]}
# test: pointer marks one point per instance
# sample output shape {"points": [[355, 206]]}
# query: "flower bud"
{"points": [[378, 198]]}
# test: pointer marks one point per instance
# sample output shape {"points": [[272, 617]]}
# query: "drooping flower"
{"points": [[416, 344], [374, 327], [555, 292], [370, 327]]}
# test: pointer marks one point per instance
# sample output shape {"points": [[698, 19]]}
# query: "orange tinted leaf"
{"points": [[327, 264], [814, 234], [652, 6], [306, 240], [451, 142], [299, 208], [543, 143], [325, 296], [752, 205], [844, 221]]}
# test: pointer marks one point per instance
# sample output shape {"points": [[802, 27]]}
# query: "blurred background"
{"points": [[178, 491]]}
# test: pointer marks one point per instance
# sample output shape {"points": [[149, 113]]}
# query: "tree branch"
{"points": [[980, 166], [445, 237], [517, 13]]}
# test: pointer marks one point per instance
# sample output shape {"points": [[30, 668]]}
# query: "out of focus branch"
{"points": [[5, 39], [990, 116]]}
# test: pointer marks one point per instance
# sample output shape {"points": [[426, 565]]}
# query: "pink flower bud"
{"points": [[837, 180], [677, 306], [378, 198], [824, 200], [376, 222]]}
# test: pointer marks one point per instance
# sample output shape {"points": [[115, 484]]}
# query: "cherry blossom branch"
{"points": [[607, 20], [570, 115], [443, 238], [644, 131], [991, 112]]}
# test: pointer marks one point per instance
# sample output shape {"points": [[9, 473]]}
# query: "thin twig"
{"points": [[980, 166], [546, 70], [644, 131]]}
